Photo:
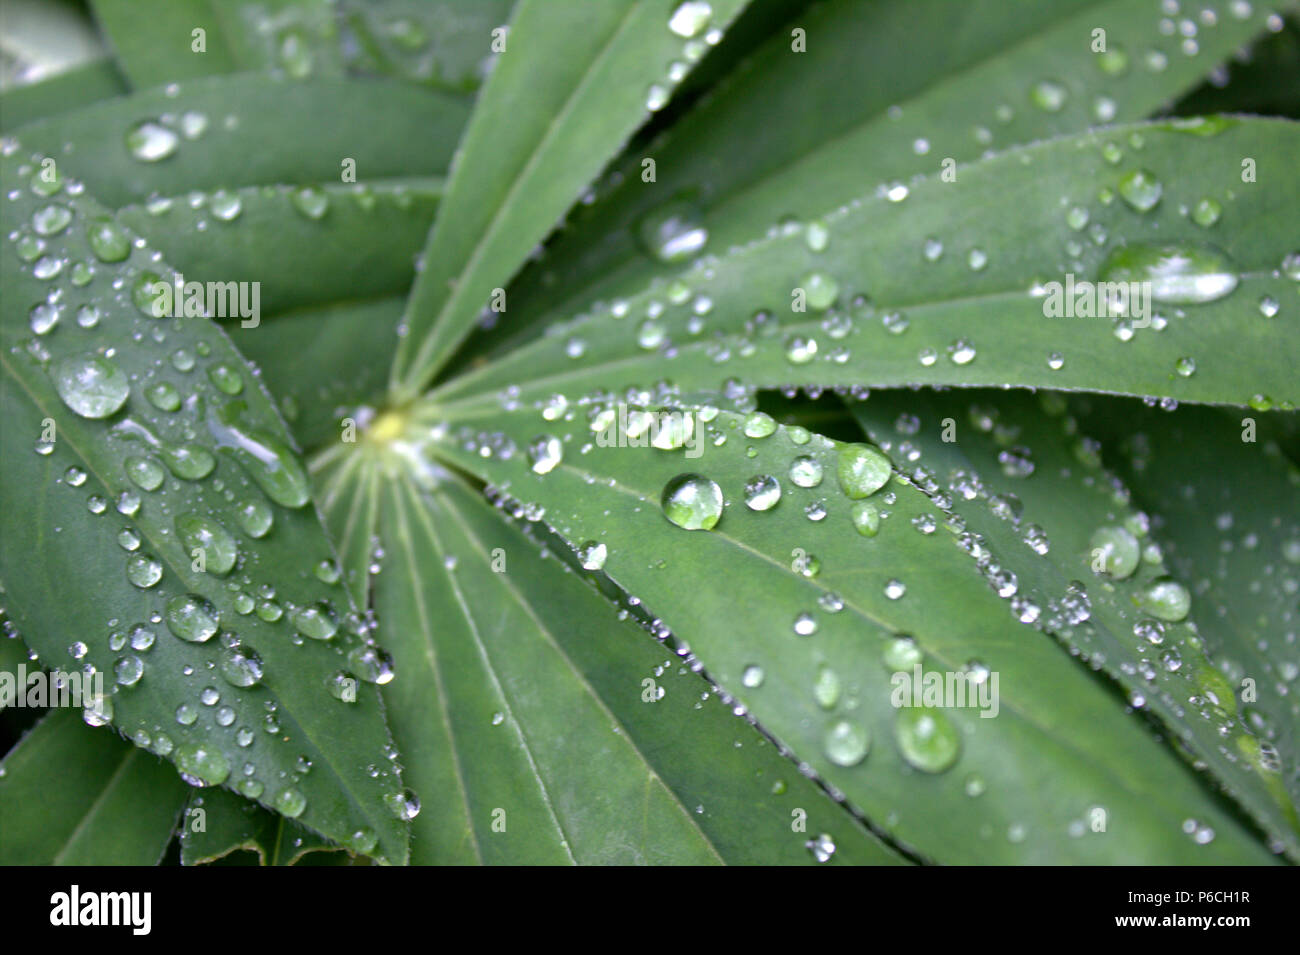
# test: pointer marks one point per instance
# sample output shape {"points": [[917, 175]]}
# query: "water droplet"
{"points": [[256, 518], [592, 555], [92, 386], [656, 98], [863, 470], [266, 459], [805, 625], [191, 618], [1268, 306], [1141, 189], [692, 501], [1167, 599], [150, 141], [219, 549], [821, 291], [43, 318], [316, 622], [240, 666], [866, 518], [1049, 96], [143, 570], [109, 241], [762, 492], [128, 670], [826, 691], [1206, 213], [926, 738], [1118, 550], [673, 232], [289, 802], [1114, 61], [403, 805], [799, 349], [224, 205], [310, 202], [846, 744], [202, 764], [51, 219], [759, 425], [806, 471], [545, 452], [690, 18], [752, 676], [226, 378], [1179, 274]]}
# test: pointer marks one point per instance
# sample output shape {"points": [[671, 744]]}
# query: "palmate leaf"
{"points": [[72, 795], [523, 713], [880, 313], [155, 42], [146, 463], [1035, 504], [1227, 510], [753, 153], [573, 83], [803, 618], [390, 129]]}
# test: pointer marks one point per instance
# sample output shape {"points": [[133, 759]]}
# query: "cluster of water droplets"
{"points": [[166, 409]]}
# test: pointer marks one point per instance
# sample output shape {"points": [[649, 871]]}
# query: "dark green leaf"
{"points": [[573, 83], [72, 795], [162, 561], [1059, 759], [879, 314]]}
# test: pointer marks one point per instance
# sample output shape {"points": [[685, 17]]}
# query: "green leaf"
{"points": [[1030, 784], [72, 795], [547, 708], [354, 244], [156, 40], [219, 823], [573, 83], [95, 81], [325, 363], [1225, 509], [879, 314], [754, 154], [1035, 505], [13, 654], [444, 43], [390, 129], [89, 443]]}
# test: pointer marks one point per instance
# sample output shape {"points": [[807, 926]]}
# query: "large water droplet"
{"points": [[926, 738], [1141, 189], [863, 470], [217, 544], [1117, 550], [1167, 599], [692, 501], [1179, 274], [202, 764], [846, 744], [91, 385], [150, 141], [267, 459], [673, 232], [191, 618]]}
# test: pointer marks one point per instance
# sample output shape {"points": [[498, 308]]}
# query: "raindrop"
{"points": [[692, 501]]}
